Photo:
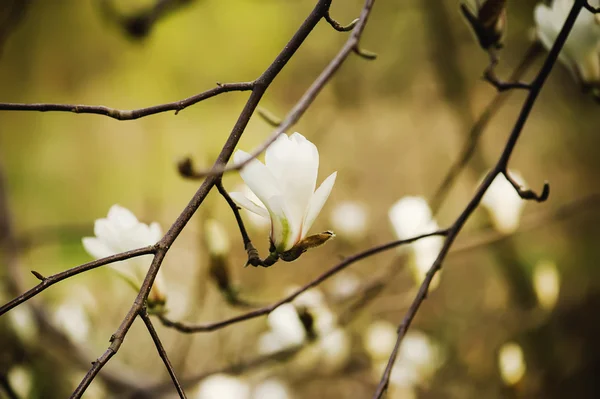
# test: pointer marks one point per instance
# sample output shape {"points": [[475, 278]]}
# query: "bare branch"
{"points": [[590, 8], [500, 166], [189, 328], [124, 115], [161, 351], [58, 277]]}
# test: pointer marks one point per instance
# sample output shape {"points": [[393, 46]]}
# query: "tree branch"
{"points": [[161, 351], [500, 166], [124, 115]]}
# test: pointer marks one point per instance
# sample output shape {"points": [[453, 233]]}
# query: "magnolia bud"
{"points": [[309, 242], [487, 19]]}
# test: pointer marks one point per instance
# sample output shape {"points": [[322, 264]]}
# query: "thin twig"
{"points": [[478, 128], [124, 115], [260, 86], [58, 277], [339, 27], [501, 165], [161, 352], [351, 45], [207, 327]]}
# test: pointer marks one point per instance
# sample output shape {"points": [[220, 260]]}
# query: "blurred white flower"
{"points": [[285, 185], [546, 283], [72, 319], [223, 386], [23, 323], [271, 389], [120, 232], [410, 217], [581, 52], [344, 285], [335, 348], [503, 203], [21, 380], [511, 363], [286, 330], [418, 356], [349, 220], [379, 339], [217, 239]]}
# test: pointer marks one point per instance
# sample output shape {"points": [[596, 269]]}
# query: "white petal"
{"points": [[317, 202], [96, 248], [410, 216], [121, 216], [257, 177], [248, 204], [294, 162], [283, 232], [106, 232], [155, 232], [285, 322]]}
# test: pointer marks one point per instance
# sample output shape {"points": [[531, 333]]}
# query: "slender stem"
{"points": [[207, 327], [500, 166], [124, 115], [161, 351]]}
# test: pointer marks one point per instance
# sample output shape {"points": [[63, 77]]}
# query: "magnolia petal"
{"points": [[317, 202], [258, 178], [121, 216], [294, 162], [248, 204], [106, 232], [96, 248], [283, 232]]}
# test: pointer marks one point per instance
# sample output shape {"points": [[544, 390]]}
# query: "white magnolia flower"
{"points": [[503, 203], [21, 380], [349, 220], [418, 357], [72, 318], [256, 220], [271, 389], [217, 240], [335, 347], [511, 363], [223, 386], [546, 283], [581, 52], [120, 232], [285, 186], [344, 285], [410, 217], [286, 330]]}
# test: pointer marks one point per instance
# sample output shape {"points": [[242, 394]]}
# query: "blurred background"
{"points": [[516, 310]]}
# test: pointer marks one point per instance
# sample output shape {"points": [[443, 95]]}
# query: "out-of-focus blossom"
{"points": [[335, 347], [349, 220], [120, 231], [21, 380], [581, 52], [72, 319], [410, 217], [217, 239], [503, 203], [286, 330], [487, 19], [223, 386], [285, 185], [418, 357], [271, 389], [344, 285], [23, 323], [546, 283], [511, 363]]}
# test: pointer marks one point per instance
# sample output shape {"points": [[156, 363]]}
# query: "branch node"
{"points": [[339, 27], [38, 275], [185, 167], [529, 195], [489, 75]]}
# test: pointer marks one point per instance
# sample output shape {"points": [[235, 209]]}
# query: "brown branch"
{"points": [[207, 327], [478, 128], [528, 194], [351, 46], [58, 277], [260, 86], [590, 8], [161, 352], [500, 166], [124, 115]]}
